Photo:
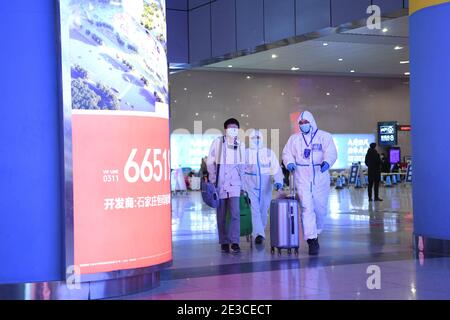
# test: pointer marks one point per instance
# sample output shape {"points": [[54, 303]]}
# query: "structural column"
{"points": [[430, 118]]}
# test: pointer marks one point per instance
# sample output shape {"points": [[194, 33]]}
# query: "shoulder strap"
{"points": [[220, 159]]}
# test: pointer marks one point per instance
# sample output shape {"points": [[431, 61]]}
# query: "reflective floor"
{"points": [[361, 241]]}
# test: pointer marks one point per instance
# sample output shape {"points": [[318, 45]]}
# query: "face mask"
{"points": [[305, 127], [255, 142], [232, 132]]}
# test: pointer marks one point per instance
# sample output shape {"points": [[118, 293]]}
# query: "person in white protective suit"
{"points": [[262, 173], [310, 154]]}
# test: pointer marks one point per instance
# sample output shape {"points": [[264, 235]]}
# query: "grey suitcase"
{"points": [[284, 215]]}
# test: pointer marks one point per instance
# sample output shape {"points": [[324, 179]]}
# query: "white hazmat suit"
{"points": [[308, 152], [262, 169]]}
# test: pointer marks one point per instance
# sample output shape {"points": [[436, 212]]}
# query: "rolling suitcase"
{"points": [[284, 220]]}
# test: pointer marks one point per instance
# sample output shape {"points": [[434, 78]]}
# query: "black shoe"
{"points": [[235, 248], [370, 200], [259, 239], [225, 248], [313, 247], [378, 199]]}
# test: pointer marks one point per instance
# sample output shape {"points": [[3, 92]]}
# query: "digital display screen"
{"points": [[394, 156], [116, 133], [387, 133], [188, 150], [352, 148]]}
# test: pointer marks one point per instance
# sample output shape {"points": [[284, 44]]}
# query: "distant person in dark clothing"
{"points": [[373, 163], [385, 165]]}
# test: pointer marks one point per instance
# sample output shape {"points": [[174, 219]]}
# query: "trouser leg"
{"points": [[257, 225], [369, 188], [221, 222], [308, 215], [320, 199], [235, 222], [377, 187]]}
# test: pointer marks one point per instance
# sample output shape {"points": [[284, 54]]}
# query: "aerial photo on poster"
{"points": [[117, 52]]}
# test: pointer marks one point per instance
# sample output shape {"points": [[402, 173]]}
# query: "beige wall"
{"points": [[355, 104]]}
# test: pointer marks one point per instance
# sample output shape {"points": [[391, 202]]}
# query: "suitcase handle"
{"points": [[292, 220], [292, 187]]}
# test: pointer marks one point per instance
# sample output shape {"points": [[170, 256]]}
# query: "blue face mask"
{"points": [[305, 127]]}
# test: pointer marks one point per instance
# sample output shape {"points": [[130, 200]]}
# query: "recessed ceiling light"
{"points": [[230, 66], [398, 48], [325, 44], [340, 59], [385, 30], [185, 89], [248, 77], [196, 113], [328, 93], [274, 56], [210, 93], [404, 62], [352, 71], [295, 68], [407, 73]]}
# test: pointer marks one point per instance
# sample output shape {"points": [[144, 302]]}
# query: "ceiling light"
{"points": [[325, 44], [295, 68], [328, 93], [196, 113], [185, 89], [398, 48], [352, 71], [385, 30], [230, 66], [210, 93], [274, 56], [248, 77], [404, 62], [340, 59], [407, 73]]}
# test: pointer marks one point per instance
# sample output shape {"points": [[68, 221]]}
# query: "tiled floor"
{"points": [[358, 234]]}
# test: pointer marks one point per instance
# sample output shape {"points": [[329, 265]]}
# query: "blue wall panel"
{"points": [[279, 19], [250, 23], [200, 33], [312, 15], [31, 223], [177, 4], [177, 36], [429, 105], [197, 3], [344, 11], [389, 6], [223, 15]]}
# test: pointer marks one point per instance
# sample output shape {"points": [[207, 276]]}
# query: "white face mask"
{"points": [[232, 132]]}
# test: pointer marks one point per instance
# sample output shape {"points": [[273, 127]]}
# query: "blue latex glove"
{"points": [[324, 166], [278, 186], [291, 167]]}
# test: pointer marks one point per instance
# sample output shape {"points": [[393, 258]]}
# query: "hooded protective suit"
{"points": [[308, 152], [261, 165]]}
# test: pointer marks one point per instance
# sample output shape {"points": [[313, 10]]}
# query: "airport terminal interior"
{"points": [[118, 205]]}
